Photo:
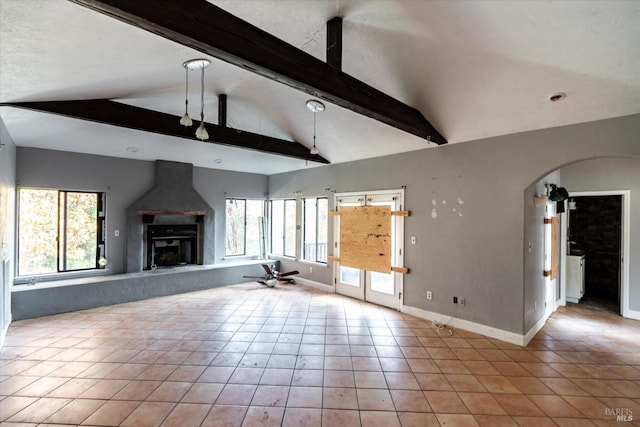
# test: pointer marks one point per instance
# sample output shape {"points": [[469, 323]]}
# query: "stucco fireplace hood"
{"points": [[173, 192]]}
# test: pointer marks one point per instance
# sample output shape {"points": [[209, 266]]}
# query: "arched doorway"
{"points": [[602, 177]]}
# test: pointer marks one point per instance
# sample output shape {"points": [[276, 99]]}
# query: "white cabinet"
{"points": [[575, 278]]}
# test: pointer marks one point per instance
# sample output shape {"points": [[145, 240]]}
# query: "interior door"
{"points": [[376, 287]]}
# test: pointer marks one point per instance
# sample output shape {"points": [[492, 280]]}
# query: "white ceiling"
{"points": [[475, 69]]}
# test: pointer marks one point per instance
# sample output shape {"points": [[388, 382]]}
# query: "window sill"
{"points": [[302, 261], [242, 258], [32, 280], [283, 257]]}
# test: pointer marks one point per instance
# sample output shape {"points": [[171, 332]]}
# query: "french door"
{"points": [[378, 288]]}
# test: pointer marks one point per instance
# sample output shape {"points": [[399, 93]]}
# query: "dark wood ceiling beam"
{"points": [[334, 43], [128, 116], [209, 29], [222, 110]]}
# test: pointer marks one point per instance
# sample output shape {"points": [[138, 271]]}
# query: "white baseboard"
{"points": [[3, 335], [478, 328], [314, 284], [632, 314], [535, 329]]}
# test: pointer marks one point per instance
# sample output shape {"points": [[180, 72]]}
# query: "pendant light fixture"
{"points": [[194, 64], [316, 107]]}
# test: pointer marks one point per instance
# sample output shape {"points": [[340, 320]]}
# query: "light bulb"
{"points": [[314, 150], [201, 132], [186, 120]]}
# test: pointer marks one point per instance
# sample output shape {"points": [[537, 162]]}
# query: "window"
{"points": [[283, 227], [59, 231], [244, 219], [316, 211]]}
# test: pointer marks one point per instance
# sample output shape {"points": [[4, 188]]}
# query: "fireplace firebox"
{"points": [[171, 245]]}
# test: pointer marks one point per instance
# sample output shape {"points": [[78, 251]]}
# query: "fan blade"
{"points": [[288, 273], [268, 269]]}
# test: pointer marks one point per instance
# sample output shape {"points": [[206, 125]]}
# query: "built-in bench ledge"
{"points": [[167, 212], [62, 296]]}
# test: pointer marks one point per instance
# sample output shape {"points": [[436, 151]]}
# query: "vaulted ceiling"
{"points": [[472, 69]]}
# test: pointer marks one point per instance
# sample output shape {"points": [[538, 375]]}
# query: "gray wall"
{"points": [[125, 181], [480, 255], [7, 229], [613, 174]]}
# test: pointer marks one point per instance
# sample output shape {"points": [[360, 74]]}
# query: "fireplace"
{"points": [[171, 224], [171, 245]]}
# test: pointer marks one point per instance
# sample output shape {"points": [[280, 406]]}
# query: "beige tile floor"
{"points": [[252, 356]]}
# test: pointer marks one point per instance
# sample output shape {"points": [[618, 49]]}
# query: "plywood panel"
{"points": [[365, 237]]}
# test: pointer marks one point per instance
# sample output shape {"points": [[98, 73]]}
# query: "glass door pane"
{"points": [[383, 283], [350, 276]]}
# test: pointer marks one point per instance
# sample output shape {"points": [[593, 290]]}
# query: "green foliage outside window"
{"points": [[57, 231], [243, 226], [38, 232], [235, 229]]}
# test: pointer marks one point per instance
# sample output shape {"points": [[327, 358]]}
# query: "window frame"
{"points": [[303, 256], [285, 236], [244, 252], [62, 227]]}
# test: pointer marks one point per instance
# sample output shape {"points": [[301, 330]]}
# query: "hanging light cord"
{"points": [[186, 91], [202, 96], [201, 132], [314, 129]]}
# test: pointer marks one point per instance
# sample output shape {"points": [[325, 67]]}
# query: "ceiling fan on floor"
{"points": [[273, 276]]}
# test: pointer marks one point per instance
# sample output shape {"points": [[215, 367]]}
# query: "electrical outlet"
{"points": [[310, 269], [455, 300], [429, 295], [462, 301]]}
